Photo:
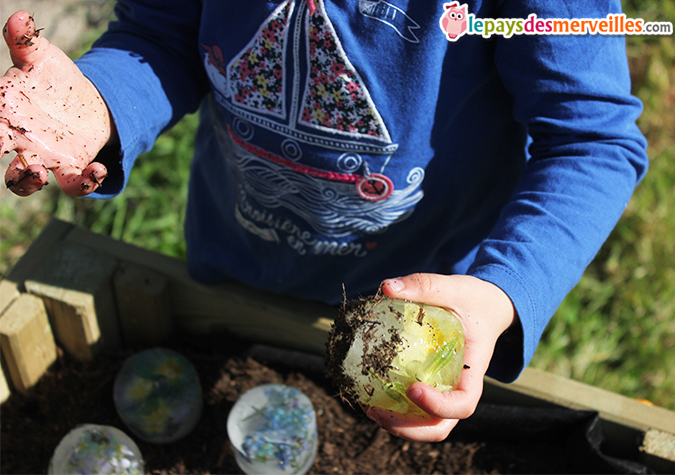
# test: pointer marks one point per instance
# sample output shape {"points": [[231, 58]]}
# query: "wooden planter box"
{"points": [[87, 293]]}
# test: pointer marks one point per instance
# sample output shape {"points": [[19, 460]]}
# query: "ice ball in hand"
{"points": [[378, 346], [273, 430], [96, 449], [158, 395]]}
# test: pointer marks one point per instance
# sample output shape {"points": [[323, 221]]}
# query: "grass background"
{"points": [[615, 330]]}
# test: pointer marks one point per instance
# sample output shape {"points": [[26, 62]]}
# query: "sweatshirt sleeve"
{"points": [[586, 157], [148, 69]]}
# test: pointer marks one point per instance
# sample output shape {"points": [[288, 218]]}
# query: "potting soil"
{"points": [[496, 439]]}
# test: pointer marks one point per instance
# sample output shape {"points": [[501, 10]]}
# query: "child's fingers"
{"points": [[458, 404], [26, 46], [422, 429], [76, 182], [432, 289], [25, 176]]}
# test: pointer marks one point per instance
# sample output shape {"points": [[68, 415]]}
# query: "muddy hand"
{"points": [[50, 114]]}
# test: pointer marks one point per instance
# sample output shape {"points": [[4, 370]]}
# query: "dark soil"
{"points": [[73, 393]]}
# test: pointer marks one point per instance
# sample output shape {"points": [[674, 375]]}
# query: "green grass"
{"points": [[616, 329], [149, 213], [151, 210]]}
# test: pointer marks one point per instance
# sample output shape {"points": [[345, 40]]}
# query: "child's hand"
{"points": [[50, 114], [486, 312]]}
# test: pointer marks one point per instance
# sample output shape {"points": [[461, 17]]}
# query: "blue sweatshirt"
{"points": [[349, 141]]}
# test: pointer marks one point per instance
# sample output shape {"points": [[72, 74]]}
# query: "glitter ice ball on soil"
{"points": [[378, 346], [96, 449], [158, 395], [273, 430]]}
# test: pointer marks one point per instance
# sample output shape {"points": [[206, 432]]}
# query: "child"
{"points": [[346, 142]]}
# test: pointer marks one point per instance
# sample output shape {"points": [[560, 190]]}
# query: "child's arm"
{"points": [[148, 68], [587, 156]]}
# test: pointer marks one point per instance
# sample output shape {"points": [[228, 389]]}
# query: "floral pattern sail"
{"points": [[336, 97], [256, 75]]}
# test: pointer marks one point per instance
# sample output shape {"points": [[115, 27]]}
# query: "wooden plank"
{"points": [[172, 268], [575, 395], [27, 341], [624, 420], [4, 387], [76, 285], [263, 316], [658, 451], [9, 292], [38, 252], [143, 305]]}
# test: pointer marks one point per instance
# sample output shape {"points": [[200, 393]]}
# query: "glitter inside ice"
{"points": [[96, 449], [273, 430], [158, 395]]}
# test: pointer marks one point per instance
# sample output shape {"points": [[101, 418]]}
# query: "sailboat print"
{"points": [[304, 133]]}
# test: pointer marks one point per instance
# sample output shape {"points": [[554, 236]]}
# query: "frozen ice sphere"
{"points": [[158, 395], [273, 430], [379, 346], [96, 449]]}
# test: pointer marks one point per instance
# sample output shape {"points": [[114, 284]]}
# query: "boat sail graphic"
{"points": [[335, 98], [345, 103], [305, 133], [255, 78]]}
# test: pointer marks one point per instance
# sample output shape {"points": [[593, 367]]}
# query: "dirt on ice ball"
{"points": [[378, 346]]}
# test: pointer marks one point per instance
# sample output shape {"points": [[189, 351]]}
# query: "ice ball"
{"points": [[158, 395], [378, 346], [96, 449], [273, 430]]}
